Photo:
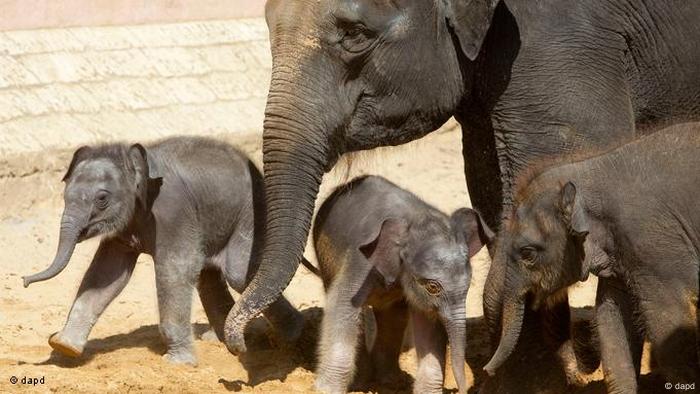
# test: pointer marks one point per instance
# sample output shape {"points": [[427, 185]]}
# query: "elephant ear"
{"points": [[469, 228], [470, 20], [596, 260], [78, 156], [383, 248], [144, 180], [572, 212]]}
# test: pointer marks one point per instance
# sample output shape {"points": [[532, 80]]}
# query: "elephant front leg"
{"points": [[176, 278], [620, 343], [108, 274], [430, 341], [482, 171], [340, 328]]}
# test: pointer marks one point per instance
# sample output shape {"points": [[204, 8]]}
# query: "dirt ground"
{"points": [[124, 351]]}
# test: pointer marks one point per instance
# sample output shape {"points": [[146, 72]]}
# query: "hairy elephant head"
{"points": [[104, 188], [545, 249], [348, 75], [431, 262]]}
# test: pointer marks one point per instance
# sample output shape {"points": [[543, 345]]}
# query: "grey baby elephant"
{"points": [[194, 204], [380, 246]]}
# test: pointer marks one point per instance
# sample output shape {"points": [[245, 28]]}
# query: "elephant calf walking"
{"points": [[630, 216], [381, 246], [193, 204]]}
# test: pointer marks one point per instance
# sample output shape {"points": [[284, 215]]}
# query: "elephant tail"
{"points": [[306, 263]]}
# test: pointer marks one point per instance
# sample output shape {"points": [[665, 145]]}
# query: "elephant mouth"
{"points": [[548, 299], [91, 230]]}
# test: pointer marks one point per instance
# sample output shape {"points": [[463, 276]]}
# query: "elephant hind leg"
{"points": [[216, 299], [391, 325]]}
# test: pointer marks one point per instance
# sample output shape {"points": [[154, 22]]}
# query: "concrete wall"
{"points": [[60, 88], [35, 14]]}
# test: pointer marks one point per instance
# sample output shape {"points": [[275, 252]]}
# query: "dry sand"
{"points": [[124, 351]]}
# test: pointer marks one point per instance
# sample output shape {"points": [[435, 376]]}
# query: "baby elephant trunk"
{"points": [[513, 314], [70, 232], [456, 328]]}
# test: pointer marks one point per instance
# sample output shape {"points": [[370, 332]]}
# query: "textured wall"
{"points": [[60, 88], [36, 14]]}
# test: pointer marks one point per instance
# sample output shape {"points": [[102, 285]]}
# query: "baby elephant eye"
{"points": [[432, 287], [528, 255], [102, 200]]}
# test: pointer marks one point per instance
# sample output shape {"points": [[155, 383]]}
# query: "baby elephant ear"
{"points": [[572, 212], [383, 248], [78, 156], [471, 229], [139, 164]]}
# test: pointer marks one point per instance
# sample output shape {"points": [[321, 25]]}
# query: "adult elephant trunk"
{"points": [[512, 315], [72, 224], [295, 156], [456, 328]]}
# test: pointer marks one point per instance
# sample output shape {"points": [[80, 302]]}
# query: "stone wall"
{"points": [[64, 87]]}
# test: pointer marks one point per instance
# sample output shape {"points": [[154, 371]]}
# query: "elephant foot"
{"points": [[209, 336], [325, 386], [64, 346], [394, 379], [291, 330], [180, 357], [427, 388]]}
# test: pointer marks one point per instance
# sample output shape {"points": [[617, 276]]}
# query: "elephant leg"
{"points": [[620, 344], [286, 320], [176, 276], [340, 328], [430, 341], [216, 299], [391, 325], [108, 274], [238, 268], [483, 172], [670, 327], [558, 329], [585, 346]]}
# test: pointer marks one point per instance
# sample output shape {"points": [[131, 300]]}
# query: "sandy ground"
{"points": [[124, 352]]}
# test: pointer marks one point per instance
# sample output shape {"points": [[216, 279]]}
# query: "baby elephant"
{"points": [[381, 246], [194, 204], [630, 216]]}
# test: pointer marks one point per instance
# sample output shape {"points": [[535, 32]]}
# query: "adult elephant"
{"points": [[526, 79]]}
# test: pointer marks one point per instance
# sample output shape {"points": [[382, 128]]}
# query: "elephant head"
{"points": [[348, 75], [104, 188], [545, 248], [432, 264]]}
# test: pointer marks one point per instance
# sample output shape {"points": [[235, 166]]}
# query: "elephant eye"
{"points": [[528, 255], [102, 199], [356, 38], [432, 287]]}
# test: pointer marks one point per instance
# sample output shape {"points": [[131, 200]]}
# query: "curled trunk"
{"points": [[68, 238], [511, 325], [295, 156]]}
